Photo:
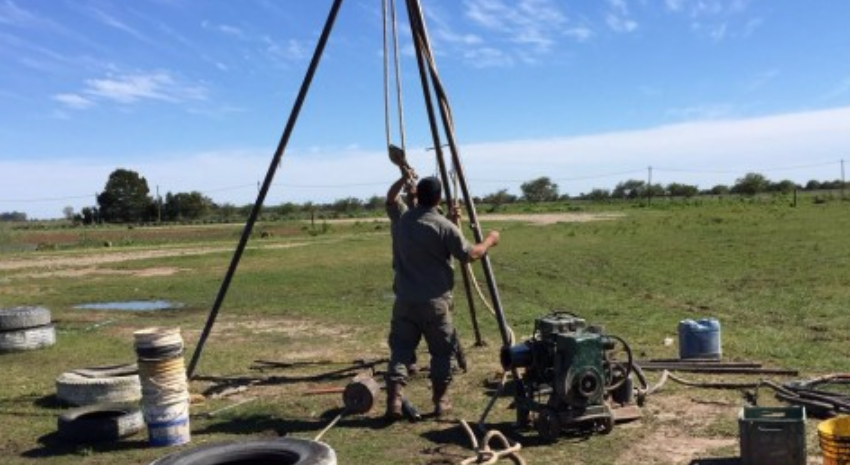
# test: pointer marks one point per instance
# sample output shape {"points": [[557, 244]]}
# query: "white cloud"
{"points": [[579, 33], [618, 17], [529, 22], [703, 149], [718, 33], [485, 57], [286, 52], [674, 5], [620, 24], [751, 26], [703, 153], [840, 90], [716, 19], [75, 101], [517, 31], [115, 23], [230, 30], [12, 14], [702, 112], [131, 88], [762, 79]]}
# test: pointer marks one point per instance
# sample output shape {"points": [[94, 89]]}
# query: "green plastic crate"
{"points": [[772, 435]]}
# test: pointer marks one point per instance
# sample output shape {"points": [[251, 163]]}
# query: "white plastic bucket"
{"points": [[168, 424], [157, 337]]}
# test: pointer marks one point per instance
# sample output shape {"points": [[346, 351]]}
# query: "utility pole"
{"points": [[649, 186], [843, 183]]}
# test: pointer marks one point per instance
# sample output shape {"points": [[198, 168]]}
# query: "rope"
{"points": [[475, 284], [389, 16], [486, 455]]}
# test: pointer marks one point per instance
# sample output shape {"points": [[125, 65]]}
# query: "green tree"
{"points": [[286, 209], [87, 216], [13, 216], [376, 202], [539, 190], [785, 186], [598, 194], [498, 198], [719, 189], [629, 189], [751, 184], [675, 189], [227, 212], [186, 206], [347, 205], [125, 198]]}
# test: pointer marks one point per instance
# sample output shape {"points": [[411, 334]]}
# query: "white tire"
{"points": [[23, 317], [27, 339], [75, 389]]}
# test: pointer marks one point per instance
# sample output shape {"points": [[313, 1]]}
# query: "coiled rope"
{"points": [[486, 454]]}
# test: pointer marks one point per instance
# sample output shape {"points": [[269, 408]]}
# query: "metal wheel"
{"points": [[618, 364]]}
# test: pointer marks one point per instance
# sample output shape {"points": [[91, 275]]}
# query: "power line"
{"points": [[46, 199], [785, 168], [577, 178]]}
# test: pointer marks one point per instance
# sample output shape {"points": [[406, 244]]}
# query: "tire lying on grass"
{"points": [[100, 423], [75, 389], [107, 371], [27, 339], [283, 451], [23, 318]]}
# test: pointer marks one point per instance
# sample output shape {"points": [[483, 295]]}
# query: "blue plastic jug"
{"points": [[699, 339]]}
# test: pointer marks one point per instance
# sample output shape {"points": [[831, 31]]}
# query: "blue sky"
{"points": [[194, 95]]}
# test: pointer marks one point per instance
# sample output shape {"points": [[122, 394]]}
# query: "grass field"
{"points": [[776, 276]]}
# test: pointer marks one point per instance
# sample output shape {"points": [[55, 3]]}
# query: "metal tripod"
{"points": [[432, 91]]}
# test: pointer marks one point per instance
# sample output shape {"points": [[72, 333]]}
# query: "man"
{"points": [[424, 243]]}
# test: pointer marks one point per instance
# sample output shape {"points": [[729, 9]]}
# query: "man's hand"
{"points": [[480, 249], [493, 238]]}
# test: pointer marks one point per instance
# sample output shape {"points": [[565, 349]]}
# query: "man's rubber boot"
{"points": [[394, 402], [442, 404]]}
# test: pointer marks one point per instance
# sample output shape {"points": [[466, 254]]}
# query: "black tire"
{"points": [[283, 451], [23, 317], [75, 389], [100, 423], [27, 339]]}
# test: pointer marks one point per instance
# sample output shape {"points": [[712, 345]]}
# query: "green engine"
{"points": [[568, 371]]}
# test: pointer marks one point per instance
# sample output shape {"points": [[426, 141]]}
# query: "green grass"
{"points": [[777, 277]]}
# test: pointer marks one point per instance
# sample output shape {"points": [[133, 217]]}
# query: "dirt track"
{"points": [[71, 265]]}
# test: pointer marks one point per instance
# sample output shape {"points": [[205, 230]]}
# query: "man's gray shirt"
{"points": [[424, 242]]}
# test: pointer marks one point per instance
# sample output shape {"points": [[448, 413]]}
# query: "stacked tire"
{"points": [[25, 328], [106, 402]]}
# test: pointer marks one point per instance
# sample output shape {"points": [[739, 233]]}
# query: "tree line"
{"points": [[126, 199]]}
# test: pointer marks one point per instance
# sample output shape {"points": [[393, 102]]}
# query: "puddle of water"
{"points": [[132, 305]]}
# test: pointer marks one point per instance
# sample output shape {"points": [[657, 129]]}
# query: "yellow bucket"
{"points": [[834, 436]]}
